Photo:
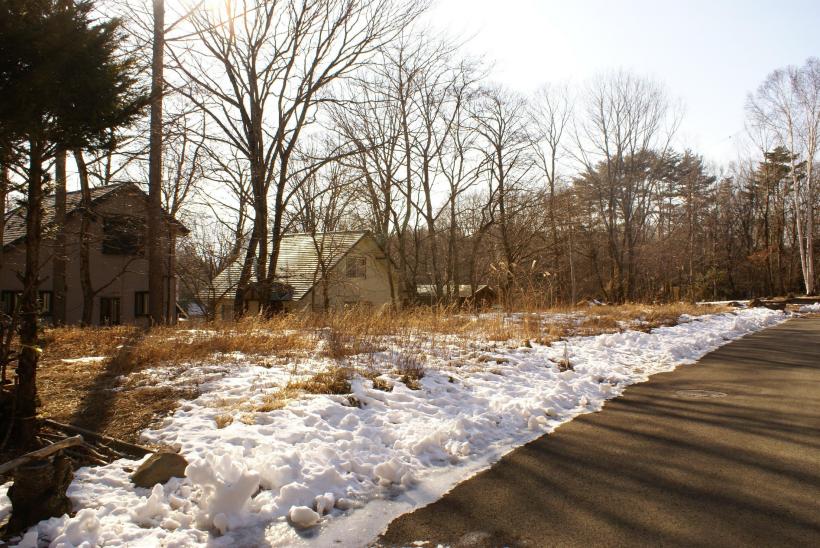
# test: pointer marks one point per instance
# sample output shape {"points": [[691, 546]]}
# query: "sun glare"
{"points": [[182, 7]]}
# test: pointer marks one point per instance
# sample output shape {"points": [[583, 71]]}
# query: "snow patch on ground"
{"points": [[5, 503], [85, 359], [352, 464], [810, 308]]}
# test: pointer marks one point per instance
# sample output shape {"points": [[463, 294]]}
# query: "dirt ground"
{"points": [[94, 394]]}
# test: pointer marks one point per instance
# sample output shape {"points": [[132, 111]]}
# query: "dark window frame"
{"points": [[123, 235], [356, 267], [9, 299], [49, 309], [141, 304], [114, 312]]}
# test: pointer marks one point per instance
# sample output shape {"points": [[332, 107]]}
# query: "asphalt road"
{"points": [[722, 453]]}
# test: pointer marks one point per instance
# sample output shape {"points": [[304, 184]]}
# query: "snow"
{"points": [[85, 359], [810, 308], [333, 470], [5, 503], [303, 517]]}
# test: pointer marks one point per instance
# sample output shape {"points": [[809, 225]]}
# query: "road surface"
{"points": [[722, 453]]}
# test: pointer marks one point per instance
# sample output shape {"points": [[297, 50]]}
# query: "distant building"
{"points": [[118, 264], [315, 271], [483, 296]]}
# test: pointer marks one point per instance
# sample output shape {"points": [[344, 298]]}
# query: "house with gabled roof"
{"points": [[328, 270], [118, 263]]}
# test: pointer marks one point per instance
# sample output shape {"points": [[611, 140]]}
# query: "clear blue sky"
{"points": [[709, 54]]}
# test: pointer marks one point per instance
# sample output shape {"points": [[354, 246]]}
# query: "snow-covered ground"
{"points": [[810, 308], [5, 503], [350, 465]]}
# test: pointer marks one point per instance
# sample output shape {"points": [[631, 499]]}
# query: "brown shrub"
{"points": [[223, 420], [334, 380]]}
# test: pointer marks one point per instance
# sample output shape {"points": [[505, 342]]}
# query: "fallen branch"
{"points": [[130, 448], [96, 455], [86, 458], [40, 453]]}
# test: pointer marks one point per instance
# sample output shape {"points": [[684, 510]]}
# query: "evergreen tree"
{"points": [[63, 84]]}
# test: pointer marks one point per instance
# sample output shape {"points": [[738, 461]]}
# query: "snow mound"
{"points": [[226, 485], [303, 517], [5, 503], [324, 472], [810, 308]]}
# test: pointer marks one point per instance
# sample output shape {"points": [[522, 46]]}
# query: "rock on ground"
{"points": [[159, 468]]}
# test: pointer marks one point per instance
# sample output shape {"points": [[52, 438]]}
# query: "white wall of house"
{"points": [[370, 290]]}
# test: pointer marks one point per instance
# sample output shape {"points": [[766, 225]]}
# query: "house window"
{"points": [[123, 235], [9, 300], [140, 303], [356, 267], [109, 310], [46, 303]]}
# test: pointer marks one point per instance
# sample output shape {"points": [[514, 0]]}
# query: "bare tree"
{"points": [[260, 70], [500, 120], [788, 104], [622, 144], [321, 204], [458, 166], [551, 113], [369, 118], [87, 217]]}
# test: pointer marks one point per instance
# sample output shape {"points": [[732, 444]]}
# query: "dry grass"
{"points": [[646, 317], [335, 380], [90, 396], [173, 346], [102, 396], [223, 420], [76, 342]]}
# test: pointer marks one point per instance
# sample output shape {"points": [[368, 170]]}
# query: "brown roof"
{"points": [[15, 222]]}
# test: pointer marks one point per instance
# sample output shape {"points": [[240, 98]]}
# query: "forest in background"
{"points": [[350, 114]]}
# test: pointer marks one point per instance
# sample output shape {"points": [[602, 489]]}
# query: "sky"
{"points": [[710, 55]]}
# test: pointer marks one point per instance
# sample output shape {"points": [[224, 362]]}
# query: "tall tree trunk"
{"points": [[171, 285], [245, 276], [26, 412], [86, 216], [58, 275], [156, 292], [452, 280], [811, 279], [556, 246], [573, 291], [4, 190]]}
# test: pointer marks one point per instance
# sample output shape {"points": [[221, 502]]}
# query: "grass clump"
{"points": [[223, 420], [411, 369], [334, 380]]}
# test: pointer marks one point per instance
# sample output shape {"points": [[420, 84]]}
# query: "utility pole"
{"points": [[60, 257], [156, 274]]}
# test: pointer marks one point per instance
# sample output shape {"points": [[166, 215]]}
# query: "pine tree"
{"points": [[64, 84]]}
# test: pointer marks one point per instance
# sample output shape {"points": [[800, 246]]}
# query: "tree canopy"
{"points": [[62, 77]]}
